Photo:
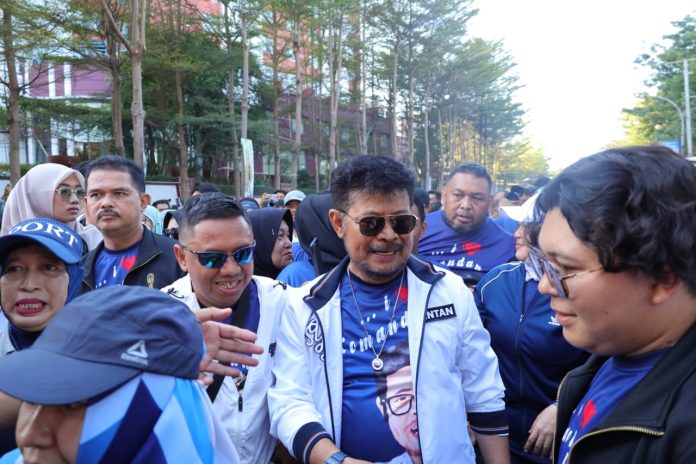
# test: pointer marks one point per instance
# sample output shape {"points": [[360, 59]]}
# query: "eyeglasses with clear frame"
{"points": [[543, 266], [66, 192]]}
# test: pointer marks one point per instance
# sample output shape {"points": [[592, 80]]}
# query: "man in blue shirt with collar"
{"points": [[461, 235]]}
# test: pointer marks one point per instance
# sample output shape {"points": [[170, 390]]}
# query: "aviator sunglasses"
{"points": [[217, 259], [65, 192], [373, 225]]}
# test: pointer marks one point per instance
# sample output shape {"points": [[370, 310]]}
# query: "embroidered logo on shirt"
{"points": [[136, 353], [553, 321], [439, 313]]}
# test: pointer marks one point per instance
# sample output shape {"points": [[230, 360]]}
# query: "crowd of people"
{"points": [[375, 322]]}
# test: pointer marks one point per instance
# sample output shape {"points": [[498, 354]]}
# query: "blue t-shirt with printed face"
{"points": [[477, 251], [112, 267], [614, 380], [365, 433]]}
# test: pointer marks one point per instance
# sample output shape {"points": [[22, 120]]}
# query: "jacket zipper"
{"points": [[627, 428]]}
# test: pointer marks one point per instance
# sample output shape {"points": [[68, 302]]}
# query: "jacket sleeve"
{"points": [[478, 364], [290, 398]]}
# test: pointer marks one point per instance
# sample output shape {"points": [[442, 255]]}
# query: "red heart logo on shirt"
{"points": [[588, 413], [128, 262], [471, 247]]}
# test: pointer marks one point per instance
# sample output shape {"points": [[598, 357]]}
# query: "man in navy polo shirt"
{"points": [[461, 235]]}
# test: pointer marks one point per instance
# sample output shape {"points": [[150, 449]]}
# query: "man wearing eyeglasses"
{"points": [[341, 329], [617, 253], [461, 235], [130, 253], [216, 248]]}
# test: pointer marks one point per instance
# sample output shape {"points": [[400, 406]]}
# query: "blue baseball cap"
{"points": [[53, 235], [102, 339]]}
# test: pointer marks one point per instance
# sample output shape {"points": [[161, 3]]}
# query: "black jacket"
{"points": [[156, 266], [654, 423]]}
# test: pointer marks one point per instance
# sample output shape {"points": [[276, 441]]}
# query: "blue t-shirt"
{"points": [[614, 380], [365, 434], [297, 273], [477, 251], [251, 321], [111, 267]]}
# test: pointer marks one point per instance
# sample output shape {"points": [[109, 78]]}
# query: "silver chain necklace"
{"points": [[377, 363]]}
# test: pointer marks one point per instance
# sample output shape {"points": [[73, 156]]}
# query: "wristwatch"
{"points": [[336, 458]]}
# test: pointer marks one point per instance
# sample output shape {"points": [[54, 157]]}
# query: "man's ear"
{"points": [[382, 407], [180, 255], [145, 200], [336, 220], [663, 289]]}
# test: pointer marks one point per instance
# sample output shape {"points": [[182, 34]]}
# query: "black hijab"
{"points": [[265, 223], [312, 218]]}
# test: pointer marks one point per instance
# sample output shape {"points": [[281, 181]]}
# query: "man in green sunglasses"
{"points": [[216, 248]]}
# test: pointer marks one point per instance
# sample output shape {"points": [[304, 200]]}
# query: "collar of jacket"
{"points": [[649, 403], [326, 286], [148, 249]]}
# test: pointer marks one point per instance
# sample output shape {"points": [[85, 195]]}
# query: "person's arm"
{"points": [[325, 448], [494, 448], [9, 409], [225, 343]]}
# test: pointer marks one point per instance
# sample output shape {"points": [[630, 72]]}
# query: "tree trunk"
{"points": [[138, 21], [183, 151], [363, 87], [298, 110], [395, 150], [237, 163], [335, 63], [426, 139], [245, 91], [410, 120], [13, 93]]}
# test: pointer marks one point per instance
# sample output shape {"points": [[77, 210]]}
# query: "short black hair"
{"points": [[419, 206], [437, 194], [372, 174], [475, 169], [512, 196], [634, 206], [281, 191], [118, 163], [206, 187], [395, 357], [213, 205]]}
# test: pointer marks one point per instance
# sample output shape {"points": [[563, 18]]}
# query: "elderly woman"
{"points": [[40, 271], [273, 234], [123, 364], [54, 191]]}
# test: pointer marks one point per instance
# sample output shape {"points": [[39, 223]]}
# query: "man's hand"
{"points": [[540, 441], [225, 343]]}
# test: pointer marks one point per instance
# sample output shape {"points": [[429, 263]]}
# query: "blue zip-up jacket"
{"points": [[532, 353]]}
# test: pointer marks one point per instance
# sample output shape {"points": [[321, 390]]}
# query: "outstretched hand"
{"points": [[225, 343]]}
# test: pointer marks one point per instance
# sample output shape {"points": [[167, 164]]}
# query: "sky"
{"points": [[576, 63]]}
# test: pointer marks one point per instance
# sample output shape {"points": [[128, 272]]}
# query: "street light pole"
{"points": [[687, 109], [681, 116]]}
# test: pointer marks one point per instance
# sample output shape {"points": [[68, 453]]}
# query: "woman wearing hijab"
{"points": [[54, 191], [40, 271], [123, 364], [153, 219], [273, 234]]}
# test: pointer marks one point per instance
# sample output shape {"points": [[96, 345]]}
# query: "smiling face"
{"points": [[67, 210], [282, 249], [220, 287], [607, 313], [382, 257], [33, 287], [466, 201], [49, 433]]}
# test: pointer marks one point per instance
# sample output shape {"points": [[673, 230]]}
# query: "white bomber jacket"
{"points": [[456, 371], [248, 428]]}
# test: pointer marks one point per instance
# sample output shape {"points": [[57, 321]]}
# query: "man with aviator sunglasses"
{"points": [[340, 330], [216, 248], [616, 249]]}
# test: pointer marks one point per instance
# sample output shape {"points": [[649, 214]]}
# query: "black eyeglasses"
{"points": [[373, 225], [545, 267], [66, 192], [399, 404], [172, 232], [217, 259]]}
